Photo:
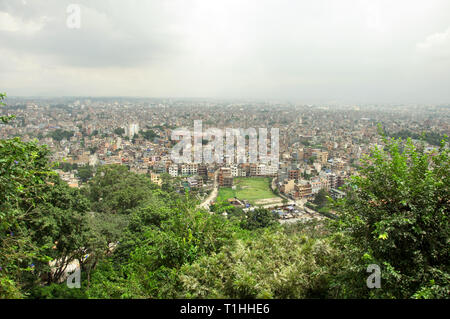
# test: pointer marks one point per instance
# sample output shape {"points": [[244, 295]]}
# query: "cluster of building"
{"points": [[320, 146]]}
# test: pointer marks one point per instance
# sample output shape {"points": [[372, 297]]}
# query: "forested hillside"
{"points": [[134, 239]]}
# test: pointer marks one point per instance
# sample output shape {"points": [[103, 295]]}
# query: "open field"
{"points": [[253, 189]]}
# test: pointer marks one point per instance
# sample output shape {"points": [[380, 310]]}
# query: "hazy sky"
{"points": [[311, 51]]}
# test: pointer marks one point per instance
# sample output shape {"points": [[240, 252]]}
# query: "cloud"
{"points": [[436, 45], [9, 23], [104, 40], [369, 50]]}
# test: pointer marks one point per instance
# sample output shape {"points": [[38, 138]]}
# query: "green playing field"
{"points": [[249, 188]]}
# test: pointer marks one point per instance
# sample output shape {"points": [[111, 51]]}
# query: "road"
{"points": [[274, 184], [205, 204]]}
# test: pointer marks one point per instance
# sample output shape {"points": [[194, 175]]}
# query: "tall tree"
{"points": [[396, 215]]}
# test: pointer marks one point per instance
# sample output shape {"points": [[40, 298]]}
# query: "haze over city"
{"points": [[307, 51]]}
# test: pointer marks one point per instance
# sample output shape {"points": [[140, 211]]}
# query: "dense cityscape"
{"points": [[320, 146], [217, 158]]}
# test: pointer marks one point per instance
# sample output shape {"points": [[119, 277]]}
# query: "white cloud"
{"points": [[10, 23], [436, 45]]}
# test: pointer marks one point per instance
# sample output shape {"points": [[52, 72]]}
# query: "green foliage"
{"points": [[311, 160], [57, 291], [92, 150], [431, 137], [321, 199], [396, 215], [94, 133], [116, 190], [36, 210], [67, 167], [151, 270], [5, 119], [169, 184], [223, 206], [273, 266], [85, 173], [59, 135], [41, 219], [149, 135], [59, 224], [119, 131], [259, 218], [24, 171]]}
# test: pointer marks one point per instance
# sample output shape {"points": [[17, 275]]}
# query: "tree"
{"points": [[85, 173], [24, 171], [396, 215], [273, 265], [59, 135], [59, 224], [119, 131], [161, 245], [433, 138], [94, 133], [41, 219], [169, 184], [259, 218], [321, 199], [149, 135], [116, 190], [94, 149], [5, 119], [312, 159]]}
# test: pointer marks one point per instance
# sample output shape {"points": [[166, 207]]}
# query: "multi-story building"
{"points": [[156, 178], [303, 188], [189, 169], [234, 171], [332, 180], [159, 168], [203, 171], [194, 182], [287, 186], [253, 169], [132, 130], [271, 170], [294, 174], [338, 164], [173, 170], [224, 177], [242, 172], [336, 194], [316, 185], [340, 181]]}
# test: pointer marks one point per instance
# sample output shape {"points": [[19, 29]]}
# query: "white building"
{"points": [[173, 170], [132, 130], [189, 169], [242, 172], [234, 171], [266, 170], [93, 160]]}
